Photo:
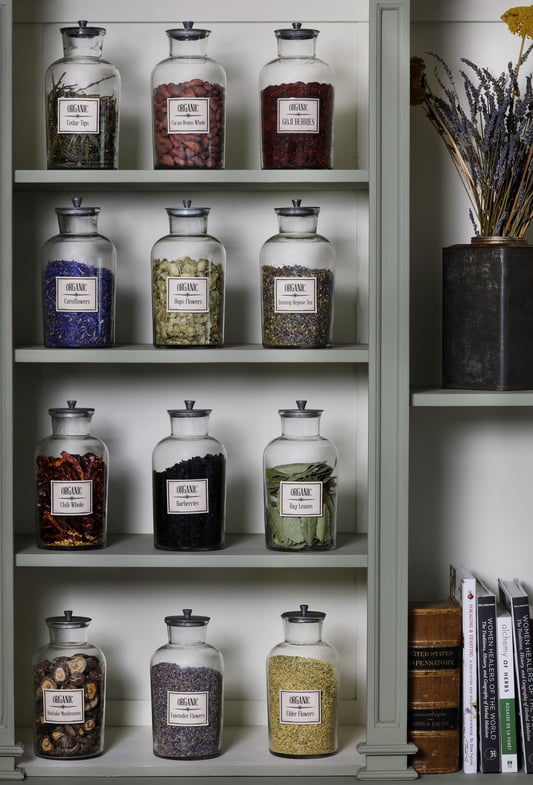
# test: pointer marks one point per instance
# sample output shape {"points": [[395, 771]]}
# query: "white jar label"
{"points": [[187, 496], [187, 708], [77, 294], [295, 295], [188, 115], [78, 115], [71, 498], [298, 115], [63, 706], [187, 295], [301, 499], [300, 707]]}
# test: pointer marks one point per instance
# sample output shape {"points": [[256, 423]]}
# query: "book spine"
{"points": [[524, 676], [506, 694], [488, 720], [464, 589]]}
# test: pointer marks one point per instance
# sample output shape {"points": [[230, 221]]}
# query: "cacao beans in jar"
{"points": [[297, 99], [189, 104]]}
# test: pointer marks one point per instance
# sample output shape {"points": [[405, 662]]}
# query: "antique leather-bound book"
{"points": [[434, 685]]}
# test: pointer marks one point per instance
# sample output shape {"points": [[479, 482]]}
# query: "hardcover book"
{"points": [[434, 684], [463, 588], [506, 690], [488, 708], [516, 600]]}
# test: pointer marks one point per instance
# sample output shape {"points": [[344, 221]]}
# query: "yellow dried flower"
{"points": [[519, 20], [418, 81]]}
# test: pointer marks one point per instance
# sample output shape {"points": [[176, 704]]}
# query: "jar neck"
{"points": [[299, 225], [193, 49], [80, 46], [296, 48], [187, 636], [300, 427], [303, 632], [77, 224], [187, 427], [71, 426], [188, 225], [76, 636]]}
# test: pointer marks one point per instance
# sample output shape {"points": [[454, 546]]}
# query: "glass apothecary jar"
{"points": [[297, 282], [297, 98], [78, 271], [71, 476], [189, 104], [82, 103], [302, 689], [69, 682], [187, 678], [189, 484], [188, 281], [300, 484]]}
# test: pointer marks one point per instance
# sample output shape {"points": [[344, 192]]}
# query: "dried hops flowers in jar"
{"points": [[187, 677], [302, 689], [189, 104], [188, 281], [297, 100], [71, 468], [82, 103], [69, 678]]}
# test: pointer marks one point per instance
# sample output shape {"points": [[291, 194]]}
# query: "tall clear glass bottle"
{"points": [[71, 477], [189, 484], [303, 689], [82, 103], [189, 104], [300, 484], [69, 683], [78, 268], [188, 281], [187, 686], [297, 282], [297, 98]]}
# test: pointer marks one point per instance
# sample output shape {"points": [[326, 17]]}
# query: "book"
{"points": [[488, 707], [434, 685], [463, 588], [506, 690], [516, 600]]}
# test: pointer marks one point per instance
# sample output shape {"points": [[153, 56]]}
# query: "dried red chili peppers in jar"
{"points": [[71, 469], [297, 97]]}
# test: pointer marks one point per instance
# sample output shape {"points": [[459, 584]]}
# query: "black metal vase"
{"points": [[487, 339]]}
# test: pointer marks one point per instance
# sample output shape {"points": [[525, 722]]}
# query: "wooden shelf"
{"points": [[455, 398]]}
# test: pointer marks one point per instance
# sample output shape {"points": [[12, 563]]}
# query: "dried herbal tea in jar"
{"points": [[302, 689], [189, 104], [82, 103], [69, 692], [186, 677], [189, 484], [78, 281], [188, 282], [297, 277], [300, 484], [71, 476], [297, 96]]}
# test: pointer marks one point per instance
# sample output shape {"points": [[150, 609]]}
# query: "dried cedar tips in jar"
{"points": [[297, 96], [189, 484], [189, 104], [186, 677], [82, 103], [71, 468], [69, 692]]}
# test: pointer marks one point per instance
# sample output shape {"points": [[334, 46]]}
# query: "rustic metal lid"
{"points": [[297, 32], [68, 621], [189, 411], [301, 411], [82, 31], [187, 211], [186, 33], [297, 209], [303, 615], [187, 620], [77, 209], [71, 411]]}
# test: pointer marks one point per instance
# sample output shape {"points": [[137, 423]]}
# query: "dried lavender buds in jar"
{"points": [[186, 711]]}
